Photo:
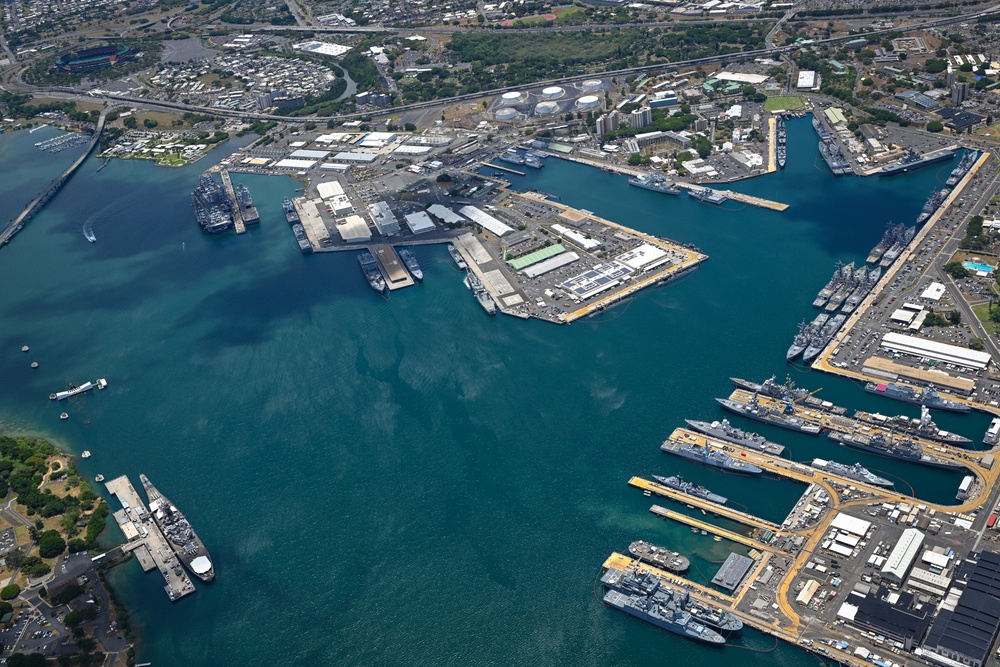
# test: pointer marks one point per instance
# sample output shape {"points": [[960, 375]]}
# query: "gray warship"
{"points": [[183, 540], [656, 183], [677, 483], [854, 472], [723, 430], [927, 396], [671, 561], [917, 428], [709, 456], [902, 449], [759, 412]]}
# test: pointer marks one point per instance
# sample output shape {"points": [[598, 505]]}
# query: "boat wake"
{"points": [[88, 230]]}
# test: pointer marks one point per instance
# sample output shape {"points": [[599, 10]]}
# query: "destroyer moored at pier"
{"points": [[913, 161], [656, 183], [677, 483], [183, 540], [856, 472], [723, 430], [924, 427], [755, 410], [883, 445], [927, 396], [709, 456], [411, 264]]}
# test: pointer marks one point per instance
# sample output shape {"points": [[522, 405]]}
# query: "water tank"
{"points": [[511, 98], [589, 102], [553, 93], [592, 84], [506, 114], [545, 108]]}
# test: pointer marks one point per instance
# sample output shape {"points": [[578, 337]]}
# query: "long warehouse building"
{"points": [[921, 347]]}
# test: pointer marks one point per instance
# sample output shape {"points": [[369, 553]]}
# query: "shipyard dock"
{"points": [[395, 274], [837, 540], [704, 505], [238, 221], [772, 145], [760, 202], [146, 541]]}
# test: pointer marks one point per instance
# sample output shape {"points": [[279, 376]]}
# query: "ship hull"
{"points": [[933, 463], [810, 429]]}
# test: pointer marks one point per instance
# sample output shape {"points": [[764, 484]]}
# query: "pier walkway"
{"points": [[713, 529], [738, 196], [48, 193], [622, 563], [712, 508], [238, 222], [507, 169], [772, 141], [138, 527], [391, 267]]}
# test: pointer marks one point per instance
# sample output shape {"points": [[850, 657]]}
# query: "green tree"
{"points": [[149, 123], [935, 126], [131, 123], [976, 344], [51, 544], [10, 592]]}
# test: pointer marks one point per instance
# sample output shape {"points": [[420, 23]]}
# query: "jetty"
{"points": [[507, 169], [146, 541], [390, 266], [772, 145], [48, 193], [698, 503], [738, 196], [712, 529], [238, 221]]}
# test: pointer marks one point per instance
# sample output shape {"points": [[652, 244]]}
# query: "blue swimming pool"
{"points": [[977, 267]]}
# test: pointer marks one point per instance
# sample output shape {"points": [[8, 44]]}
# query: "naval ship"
{"points": [[708, 196], [968, 159], [844, 289], [855, 472], [840, 275], [905, 450], [457, 256], [479, 291], [667, 616], [867, 286], [644, 584], [928, 396], [301, 238], [511, 156], [913, 161], [759, 412], [834, 158], [801, 340], [656, 183], [532, 161], [677, 483], [723, 430], [291, 215], [370, 269], [183, 540], [249, 211], [709, 456], [211, 205], [825, 335], [888, 238], [771, 388], [781, 150], [915, 428], [931, 205], [671, 561], [410, 261]]}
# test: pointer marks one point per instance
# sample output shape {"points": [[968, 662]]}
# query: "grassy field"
{"points": [[982, 311], [989, 132], [784, 103]]}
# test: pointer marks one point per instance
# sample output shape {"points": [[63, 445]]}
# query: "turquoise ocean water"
{"points": [[410, 482]]}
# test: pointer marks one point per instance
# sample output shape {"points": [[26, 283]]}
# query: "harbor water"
{"points": [[408, 481]]}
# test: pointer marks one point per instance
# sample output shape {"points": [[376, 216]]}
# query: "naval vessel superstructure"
{"points": [[291, 215], [856, 472], [840, 275], [479, 291], [757, 411], [710, 456], [913, 161], [708, 196], [411, 264], [968, 159], [932, 204], [183, 540], [891, 447], [457, 257], [853, 301], [916, 428], [245, 201], [656, 183], [805, 335], [677, 483], [825, 335], [772, 389], [644, 584], [511, 156], [927, 396], [211, 205], [370, 268], [671, 561], [780, 150], [723, 430]]}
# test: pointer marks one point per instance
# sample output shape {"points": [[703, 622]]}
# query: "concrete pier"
{"points": [[392, 269], [711, 508], [238, 221], [712, 529], [140, 529]]}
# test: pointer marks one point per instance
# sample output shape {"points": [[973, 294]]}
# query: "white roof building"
{"points": [[933, 292], [851, 524], [354, 229], [487, 221], [330, 189], [902, 556], [445, 214], [921, 347], [807, 80], [419, 222], [383, 218]]}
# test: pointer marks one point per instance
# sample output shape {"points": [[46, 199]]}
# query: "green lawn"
{"points": [[982, 311], [784, 103]]}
